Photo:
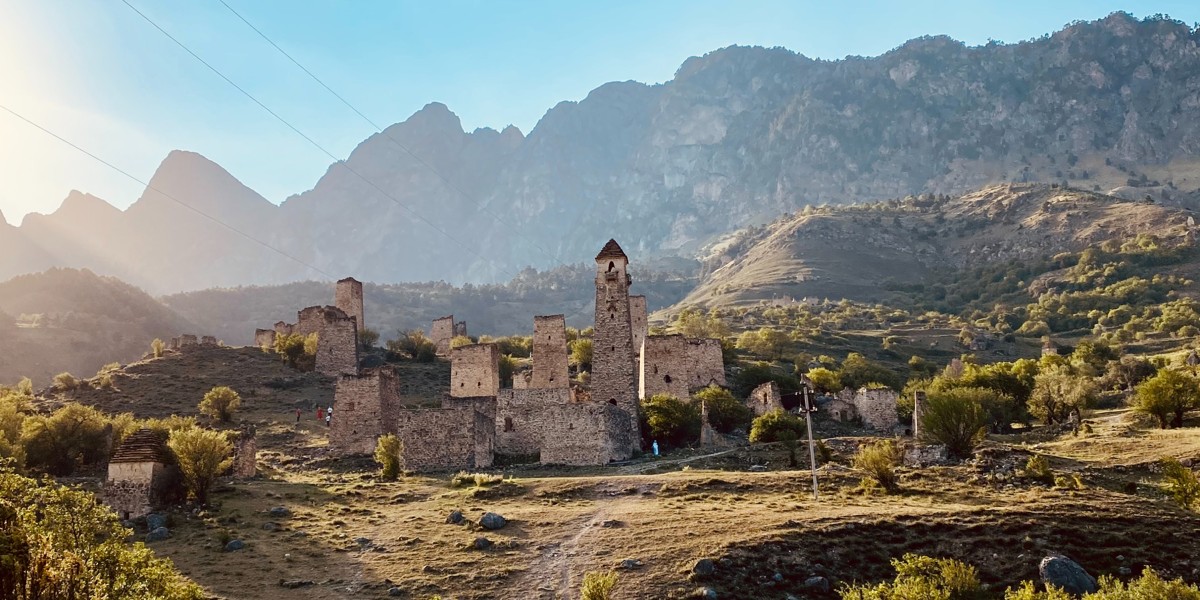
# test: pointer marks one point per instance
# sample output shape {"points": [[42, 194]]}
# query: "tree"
{"points": [[1058, 394], [413, 344], [824, 380], [779, 426], [581, 353], [157, 347], [670, 421], [220, 403], [766, 342], [692, 322], [725, 413], [388, 450], [857, 371], [367, 338], [65, 382], [60, 543], [1167, 396], [290, 347], [956, 418], [73, 436], [1181, 483], [202, 454]]}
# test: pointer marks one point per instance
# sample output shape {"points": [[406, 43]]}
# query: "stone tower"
{"points": [[637, 320], [550, 353], [613, 378], [349, 298]]}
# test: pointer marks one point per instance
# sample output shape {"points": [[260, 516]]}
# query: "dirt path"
{"points": [[644, 467]]}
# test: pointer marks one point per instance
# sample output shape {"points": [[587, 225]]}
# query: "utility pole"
{"points": [[810, 407]]}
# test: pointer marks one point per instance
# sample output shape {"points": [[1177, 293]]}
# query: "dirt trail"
{"points": [[644, 467]]}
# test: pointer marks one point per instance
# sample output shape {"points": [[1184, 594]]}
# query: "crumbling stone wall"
{"points": [[175, 342], [282, 328], [877, 408], [522, 379], [521, 418], [591, 433], [707, 364], [264, 338], [460, 328], [765, 398], [919, 400], [348, 296], [614, 376], [364, 407], [134, 490], [245, 453], [441, 334], [550, 369], [337, 338], [475, 371], [448, 438], [841, 409], [208, 340], [709, 436], [665, 367], [638, 323], [187, 339]]}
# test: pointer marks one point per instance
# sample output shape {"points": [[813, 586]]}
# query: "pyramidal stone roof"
{"points": [[143, 445], [611, 250]]}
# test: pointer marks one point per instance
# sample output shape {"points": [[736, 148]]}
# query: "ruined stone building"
{"points": [[707, 363], [337, 338], [919, 400], [638, 323], [550, 357], [475, 371], [348, 296], [364, 406], [142, 475], [460, 329], [678, 366], [245, 453], [209, 340], [264, 338], [876, 407], [613, 377], [765, 399], [441, 333]]}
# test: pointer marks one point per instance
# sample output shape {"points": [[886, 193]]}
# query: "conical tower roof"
{"points": [[611, 250]]}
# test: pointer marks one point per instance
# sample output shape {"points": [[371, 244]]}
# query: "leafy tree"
{"points": [[824, 380], [1127, 372], [413, 344], [13, 408], [291, 348], [71, 437], [581, 353], [1181, 483], [157, 347], [367, 338], [755, 374], [692, 322], [1167, 396], [220, 403], [1058, 393], [507, 366], [387, 453], [877, 461], [922, 577], [725, 413], [956, 418], [670, 421], [766, 342], [857, 371], [779, 426], [203, 454], [59, 543]]}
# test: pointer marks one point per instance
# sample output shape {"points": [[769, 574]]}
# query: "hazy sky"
{"points": [[94, 72]]}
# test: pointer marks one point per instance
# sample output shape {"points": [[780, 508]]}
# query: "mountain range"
{"points": [[736, 138]]}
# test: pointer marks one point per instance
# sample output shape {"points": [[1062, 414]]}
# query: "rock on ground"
{"points": [[1067, 574]]}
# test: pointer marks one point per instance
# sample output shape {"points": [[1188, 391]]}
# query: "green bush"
{"points": [[670, 421], [777, 426], [465, 479], [581, 353], [1038, 469], [220, 403], [877, 463], [956, 419], [459, 341], [65, 382], [367, 338], [755, 374], [1181, 483], [59, 543], [725, 413], [1147, 587], [1058, 393], [922, 578], [824, 380], [388, 450], [291, 347], [597, 585], [414, 345], [157, 347], [73, 436], [1167, 396], [202, 455]]}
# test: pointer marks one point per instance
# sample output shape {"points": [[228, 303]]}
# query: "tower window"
{"points": [[508, 424], [666, 379], [611, 266]]}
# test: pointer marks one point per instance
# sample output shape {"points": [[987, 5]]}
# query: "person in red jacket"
{"points": [[320, 414]]}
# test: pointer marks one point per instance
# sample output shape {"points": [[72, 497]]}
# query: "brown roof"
{"points": [[611, 250], [144, 445]]}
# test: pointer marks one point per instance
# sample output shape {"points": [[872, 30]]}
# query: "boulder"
{"points": [[492, 521], [155, 520], [481, 543], [1062, 572], [234, 545], [455, 517], [280, 512], [157, 534], [819, 584], [703, 567]]}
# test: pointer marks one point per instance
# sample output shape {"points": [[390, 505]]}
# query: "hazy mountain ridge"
{"points": [[739, 136]]}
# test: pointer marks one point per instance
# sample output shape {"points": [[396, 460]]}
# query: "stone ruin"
{"points": [[637, 321], [441, 333], [709, 436], [284, 328], [613, 377], [364, 406], [209, 340], [550, 356], [765, 399], [475, 371], [919, 399], [264, 338], [876, 407], [142, 475], [337, 338], [245, 453], [460, 329], [348, 296], [675, 365]]}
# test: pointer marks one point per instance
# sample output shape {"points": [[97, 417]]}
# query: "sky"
{"points": [[97, 74]]}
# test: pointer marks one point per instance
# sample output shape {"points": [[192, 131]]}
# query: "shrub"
{"points": [[71, 437], [25, 386], [387, 453], [65, 382], [755, 374], [877, 462], [465, 479], [824, 380], [220, 403], [459, 341], [1167, 396], [597, 585], [956, 418], [157, 347], [1058, 393], [725, 413], [777, 426], [507, 366], [1180, 483], [922, 577], [1147, 587], [59, 543], [367, 338], [203, 454], [670, 421], [291, 348], [1038, 469], [581, 353]]}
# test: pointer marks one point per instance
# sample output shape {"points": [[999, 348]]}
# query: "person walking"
{"points": [[656, 447], [328, 416], [297, 415], [320, 414]]}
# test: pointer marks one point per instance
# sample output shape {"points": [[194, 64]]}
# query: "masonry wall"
{"points": [[919, 399], [521, 417], [877, 408], [460, 328], [135, 489], [441, 334], [337, 338], [245, 453], [445, 439], [348, 296], [209, 340], [665, 367], [264, 338], [765, 398], [282, 328], [614, 375], [550, 368], [586, 433], [475, 370], [186, 340], [364, 407], [638, 324], [706, 363]]}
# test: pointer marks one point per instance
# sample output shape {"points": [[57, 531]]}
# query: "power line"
{"points": [[449, 183], [176, 200], [311, 141]]}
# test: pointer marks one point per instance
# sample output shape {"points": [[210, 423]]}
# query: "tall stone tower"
{"points": [[637, 320], [349, 298], [550, 368], [613, 374]]}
